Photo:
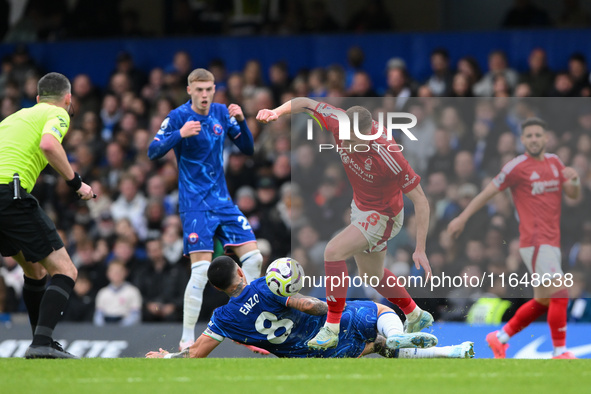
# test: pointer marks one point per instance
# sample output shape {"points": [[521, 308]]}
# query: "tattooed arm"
{"points": [[309, 305]]}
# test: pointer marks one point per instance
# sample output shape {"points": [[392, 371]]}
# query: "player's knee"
{"points": [[332, 252]]}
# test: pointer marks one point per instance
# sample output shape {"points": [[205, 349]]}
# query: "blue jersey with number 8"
{"points": [[260, 318]]}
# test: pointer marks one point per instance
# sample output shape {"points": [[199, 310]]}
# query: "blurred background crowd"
{"points": [[295, 198]]}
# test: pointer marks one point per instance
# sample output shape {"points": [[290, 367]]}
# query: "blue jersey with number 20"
{"points": [[260, 318]]}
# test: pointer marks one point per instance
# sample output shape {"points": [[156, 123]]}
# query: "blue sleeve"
{"points": [[269, 295], [240, 134], [165, 139]]}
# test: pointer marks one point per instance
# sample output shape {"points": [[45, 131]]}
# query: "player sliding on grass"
{"points": [[196, 131], [376, 215], [283, 325], [536, 180]]}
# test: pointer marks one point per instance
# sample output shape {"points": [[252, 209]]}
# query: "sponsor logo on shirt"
{"points": [[534, 176], [541, 187], [409, 182]]}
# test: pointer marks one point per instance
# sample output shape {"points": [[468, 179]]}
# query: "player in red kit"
{"points": [[536, 180], [379, 175]]}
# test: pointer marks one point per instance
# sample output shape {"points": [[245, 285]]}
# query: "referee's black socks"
{"points": [[51, 308], [33, 292]]}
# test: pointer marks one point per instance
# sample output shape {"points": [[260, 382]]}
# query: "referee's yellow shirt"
{"points": [[20, 135]]}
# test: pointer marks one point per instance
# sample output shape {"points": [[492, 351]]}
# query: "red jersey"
{"points": [[379, 175], [536, 187]]}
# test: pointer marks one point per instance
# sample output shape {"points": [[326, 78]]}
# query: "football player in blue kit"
{"points": [[196, 131], [283, 325]]}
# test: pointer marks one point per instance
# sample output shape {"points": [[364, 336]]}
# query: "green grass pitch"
{"points": [[293, 376]]}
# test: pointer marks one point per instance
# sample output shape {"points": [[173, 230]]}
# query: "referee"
{"points": [[29, 139]]}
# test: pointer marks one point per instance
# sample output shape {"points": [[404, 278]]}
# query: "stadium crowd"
{"points": [[469, 116]]}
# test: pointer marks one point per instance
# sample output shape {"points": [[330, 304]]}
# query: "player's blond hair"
{"points": [[200, 75], [364, 118]]}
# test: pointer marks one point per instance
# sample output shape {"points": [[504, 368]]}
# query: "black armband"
{"points": [[75, 183]]}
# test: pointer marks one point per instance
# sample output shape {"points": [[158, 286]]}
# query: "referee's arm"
{"points": [[56, 156]]}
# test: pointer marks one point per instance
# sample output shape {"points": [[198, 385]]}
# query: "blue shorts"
{"points": [[228, 224], [358, 327]]}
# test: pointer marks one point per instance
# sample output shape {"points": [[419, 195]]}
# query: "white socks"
{"points": [[194, 298], [389, 324], [503, 336], [251, 264], [433, 352], [414, 315], [558, 350]]}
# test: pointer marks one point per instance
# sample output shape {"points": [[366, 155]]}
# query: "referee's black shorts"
{"points": [[25, 227]]}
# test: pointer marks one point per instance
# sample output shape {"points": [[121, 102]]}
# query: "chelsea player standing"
{"points": [[196, 132]]}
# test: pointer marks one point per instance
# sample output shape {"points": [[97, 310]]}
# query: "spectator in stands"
{"points": [[497, 64], [539, 77], [120, 302], [361, 85], [443, 158], [577, 69], [469, 67], [440, 82], [161, 285], [461, 86], [80, 307], [130, 205], [397, 82]]}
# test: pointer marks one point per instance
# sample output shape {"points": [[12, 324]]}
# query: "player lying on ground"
{"points": [[283, 325], [376, 213]]}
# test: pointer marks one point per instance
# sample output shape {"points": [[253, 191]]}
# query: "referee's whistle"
{"points": [[16, 180]]}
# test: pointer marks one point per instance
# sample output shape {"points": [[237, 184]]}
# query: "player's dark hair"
{"points": [[534, 122], [221, 272], [364, 118], [53, 87]]}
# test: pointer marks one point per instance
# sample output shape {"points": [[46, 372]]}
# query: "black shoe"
{"points": [[55, 350]]}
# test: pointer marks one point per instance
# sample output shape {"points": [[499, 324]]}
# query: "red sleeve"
{"points": [[560, 166], [327, 119], [508, 175]]}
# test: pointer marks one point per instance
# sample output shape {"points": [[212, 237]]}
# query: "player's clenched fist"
{"points": [[190, 128], [236, 112], [266, 116], [85, 192], [570, 173]]}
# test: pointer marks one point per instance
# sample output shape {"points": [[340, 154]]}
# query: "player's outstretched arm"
{"points": [[56, 156], [295, 106], [200, 349], [422, 212], [309, 305], [572, 184], [456, 226]]}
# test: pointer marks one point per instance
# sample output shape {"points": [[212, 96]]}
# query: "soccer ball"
{"points": [[285, 277]]}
